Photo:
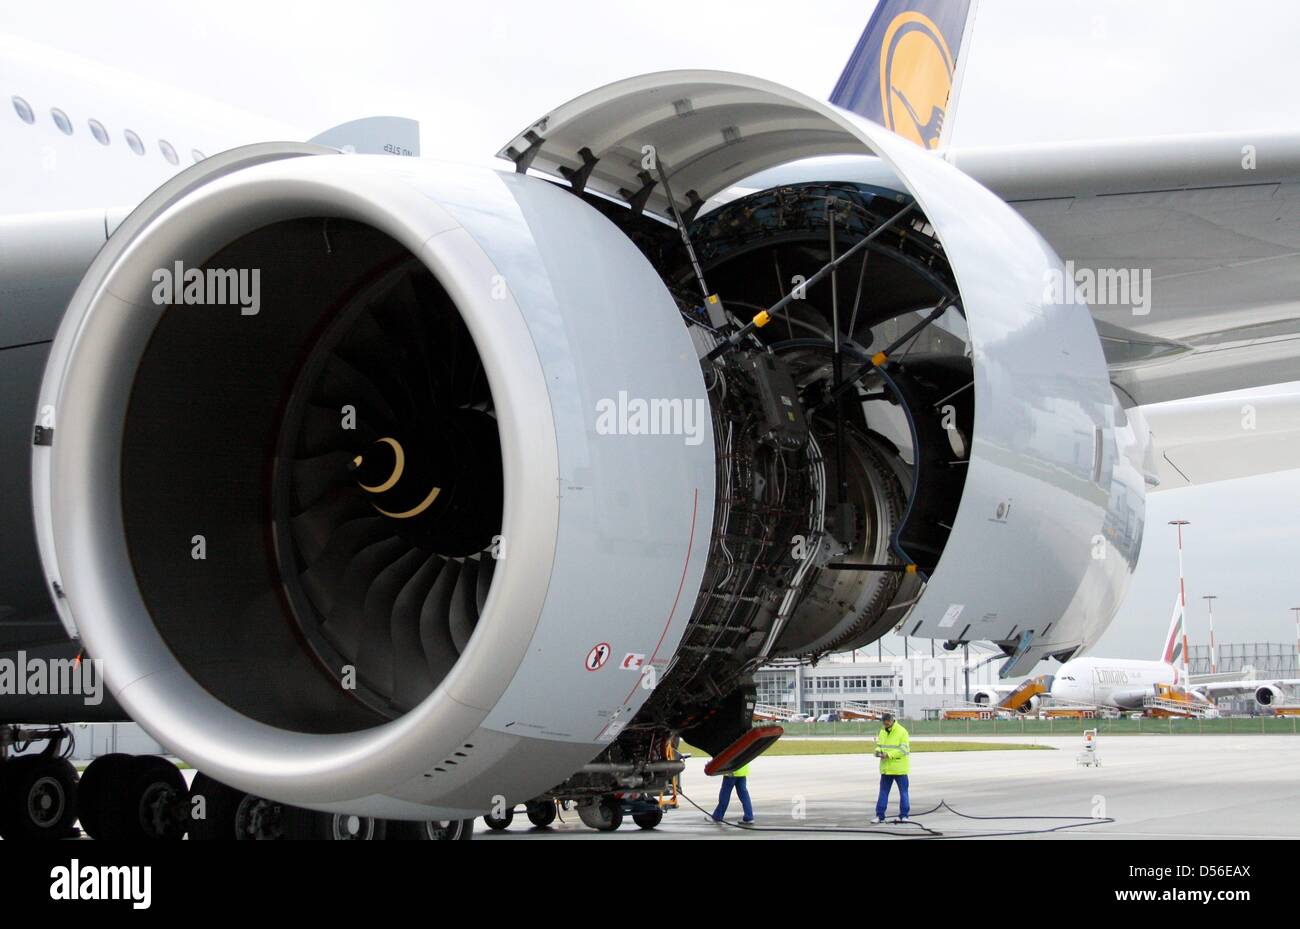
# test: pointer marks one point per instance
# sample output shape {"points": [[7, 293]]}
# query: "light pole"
{"points": [[1296, 611], [1214, 655], [1182, 594]]}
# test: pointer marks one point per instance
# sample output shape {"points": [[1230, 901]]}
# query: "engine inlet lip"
{"points": [[86, 522]]}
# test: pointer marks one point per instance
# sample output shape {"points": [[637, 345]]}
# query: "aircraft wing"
{"points": [[1204, 256], [1203, 233], [1238, 434], [1197, 236], [1225, 688]]}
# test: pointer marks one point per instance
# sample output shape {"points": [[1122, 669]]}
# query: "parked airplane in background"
{"points": [[366, 545], [1123, 684]]}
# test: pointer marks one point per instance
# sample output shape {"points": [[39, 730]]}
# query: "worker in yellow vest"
{"points": [[739, 781], [893, 750]]}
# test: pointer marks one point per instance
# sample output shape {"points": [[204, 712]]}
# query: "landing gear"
{"points": [[498, 823], [134, 797], [219, 812], [603, 815], [433, 830], [298, 823], [101, 771], [38, 796]]}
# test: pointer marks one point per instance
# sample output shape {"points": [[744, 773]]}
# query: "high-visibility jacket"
{"points": [[742, 771], [896, 747]]}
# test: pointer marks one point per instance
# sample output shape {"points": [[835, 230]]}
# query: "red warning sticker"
{"points": [[597, 657]]}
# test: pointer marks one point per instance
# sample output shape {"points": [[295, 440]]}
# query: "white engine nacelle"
{"points": [[1268, 695]]}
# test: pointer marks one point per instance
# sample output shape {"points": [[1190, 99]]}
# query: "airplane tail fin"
{"points": [[903, 71], [1174, 638]]}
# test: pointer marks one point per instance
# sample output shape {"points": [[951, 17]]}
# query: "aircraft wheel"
{"points": [[496, 824], [38, 798], [433, 830], [542, 814], [649, 819], [98, 774], [298, 823], [605, 815], [145, 798], [217, 808]]}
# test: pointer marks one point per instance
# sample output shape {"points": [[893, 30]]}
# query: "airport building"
{"points": [[914, 687]]}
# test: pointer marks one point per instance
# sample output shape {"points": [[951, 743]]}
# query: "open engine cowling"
{"points": [[312, 611]]}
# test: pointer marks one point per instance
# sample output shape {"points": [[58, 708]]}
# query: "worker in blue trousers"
{"points": [[738, 780], [893, 750]]}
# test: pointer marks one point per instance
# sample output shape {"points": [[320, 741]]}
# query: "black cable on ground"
{"points": [[926, 831]]}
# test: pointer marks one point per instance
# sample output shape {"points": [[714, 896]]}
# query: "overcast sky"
{"points": [[476, 73]]}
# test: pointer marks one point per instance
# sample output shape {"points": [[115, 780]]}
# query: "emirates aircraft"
{"points": [[387, 492], [1124, 684]]}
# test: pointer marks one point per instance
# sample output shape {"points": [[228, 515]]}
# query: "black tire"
{"points": [[299, 824], [542, 814], [649, 819], [604, 816], [497, 825], [219, 807], [432, 830], [38, 798], [145, 800], [103, 771]]}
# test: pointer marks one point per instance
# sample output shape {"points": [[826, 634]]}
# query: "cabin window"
{"points": [[61, 120], [24, 110]]}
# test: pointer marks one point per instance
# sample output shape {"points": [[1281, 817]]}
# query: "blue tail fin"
{"points": [[902, 71]]}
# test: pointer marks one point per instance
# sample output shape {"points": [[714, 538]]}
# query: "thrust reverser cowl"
{"points": [[1050, 521]]}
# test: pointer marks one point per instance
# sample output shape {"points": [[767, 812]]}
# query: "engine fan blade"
{"points": [[313, 530], [314, 477], [370, 350], [343, 385], [323, 431], [411, 678], [377, 650], [344, 623], [464, 611], [440, 650], [486, 568]]}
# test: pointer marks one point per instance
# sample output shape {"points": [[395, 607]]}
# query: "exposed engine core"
{"points": [[824, 489], [510, 480]]}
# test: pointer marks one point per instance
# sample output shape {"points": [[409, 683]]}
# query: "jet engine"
{"points": [[1267, 695], [394, 487]]}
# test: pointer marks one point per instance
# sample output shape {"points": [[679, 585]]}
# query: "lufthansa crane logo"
{"points": [[916, 72]]}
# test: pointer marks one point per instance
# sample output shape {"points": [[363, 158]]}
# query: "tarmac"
{"points": [[1176, 787]]}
